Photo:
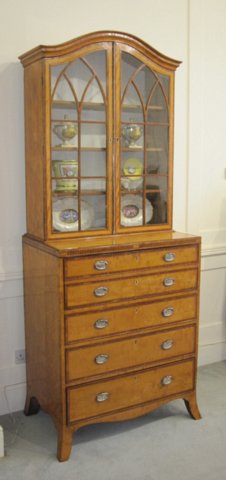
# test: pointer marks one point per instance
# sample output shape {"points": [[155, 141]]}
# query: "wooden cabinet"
{"points": [[99, 137], [111, 291]]}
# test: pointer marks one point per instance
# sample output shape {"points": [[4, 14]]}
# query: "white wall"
{"points": [[206, 180], [191, 31]]}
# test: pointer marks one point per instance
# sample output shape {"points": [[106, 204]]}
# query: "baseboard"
{"points": [[211, 353]]}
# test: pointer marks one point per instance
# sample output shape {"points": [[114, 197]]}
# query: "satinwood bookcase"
{"points": [[111, 291]]}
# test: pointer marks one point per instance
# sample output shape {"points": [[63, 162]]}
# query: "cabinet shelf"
{"points": [[76, 122], [82, 193], [79, 177], [64, 149], [142, 149], [134, 107], [99, 149], [148, 174], [151, 124], [70, 105], [75, 148], [134, 191]]}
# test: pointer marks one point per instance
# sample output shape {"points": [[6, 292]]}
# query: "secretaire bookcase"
{"points": [[111, 290]]}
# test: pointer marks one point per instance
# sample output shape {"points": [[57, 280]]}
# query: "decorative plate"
{"points": [[66, 215], [132, 166], [132, 210], [131, 169]]}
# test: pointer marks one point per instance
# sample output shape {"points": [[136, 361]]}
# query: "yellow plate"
{"points": [[133, 166]]}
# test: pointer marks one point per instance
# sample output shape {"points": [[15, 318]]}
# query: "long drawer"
{"points": [[141, 315], [99, 359], [129, 261], [132, 287], [136, 389]]}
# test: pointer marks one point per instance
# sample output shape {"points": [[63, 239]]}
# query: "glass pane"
{"points": [[63, 91], [98, 203], [157, 114], [93, 173], [132, 101], [55, 75], [132, 168], [64, 131], [157, 162], [135, 210], [93, 113], [145, 81], [130, 65], [58, 112], [157, 106], [164, 81], [93, 135], [65, 175], [71, 214], [157, 138], [132, 135], [79, 75], [142, 86], [144, 144], [78, 144], [156, 193], [93, 184], [92, 164], [97, 64], [93, 93]]}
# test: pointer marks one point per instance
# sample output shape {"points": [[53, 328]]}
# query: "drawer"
{"points": [[94, 265], [127, 391], [99, 359], [112, 321], [133, 287]]}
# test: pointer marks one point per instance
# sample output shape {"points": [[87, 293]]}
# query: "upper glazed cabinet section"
{"points": [[103, 153]]}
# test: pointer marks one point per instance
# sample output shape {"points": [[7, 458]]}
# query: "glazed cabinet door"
{"points": [[144, 99], [81, 143], [111, 111], [99, 137]]}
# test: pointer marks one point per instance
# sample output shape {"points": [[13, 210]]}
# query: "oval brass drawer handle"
{"points": [[100, 291], [101, 323], [102, 397], [168, 312], [167, 344], [169, 257], [101, 265], [102, 358], [168, 281], [167, 380]]}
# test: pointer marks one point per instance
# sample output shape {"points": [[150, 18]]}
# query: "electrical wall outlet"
{"points": [[20, 356]]}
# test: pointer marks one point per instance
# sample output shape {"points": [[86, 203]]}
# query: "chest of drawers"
{"points": [[111, 328]]}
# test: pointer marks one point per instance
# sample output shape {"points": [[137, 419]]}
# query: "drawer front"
{"points": [[100, 359], [136, 389], [107, 322], [118, 289], [130, 261]]}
